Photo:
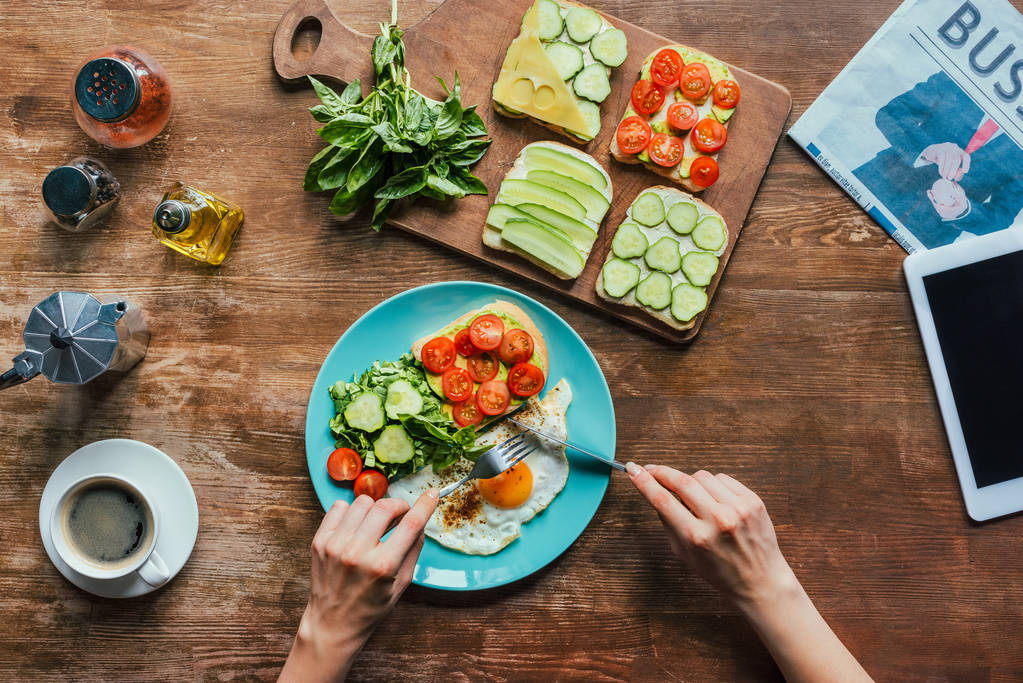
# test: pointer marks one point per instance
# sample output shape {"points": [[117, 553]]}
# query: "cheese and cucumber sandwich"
{"points": [[550, 207], [664, 255], [677, 118], [557, 71]]}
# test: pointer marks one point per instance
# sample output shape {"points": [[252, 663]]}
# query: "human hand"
{"points": [[952, 161], [948, 199], [720, 528], [355, 581]]}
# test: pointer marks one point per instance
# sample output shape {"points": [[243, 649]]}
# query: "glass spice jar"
{"points": [[121, 97], [79, 194], [197, 224]]}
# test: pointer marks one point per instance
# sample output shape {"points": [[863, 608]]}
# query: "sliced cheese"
{"points": [[530, 83]]}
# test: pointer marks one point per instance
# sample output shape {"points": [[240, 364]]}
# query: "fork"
{"points": [[501, 457]]}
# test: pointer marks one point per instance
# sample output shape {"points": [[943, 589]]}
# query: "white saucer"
{"points": [[171, 495]]}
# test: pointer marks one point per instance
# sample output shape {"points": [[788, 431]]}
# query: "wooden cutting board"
{"points": [[471, 37]]}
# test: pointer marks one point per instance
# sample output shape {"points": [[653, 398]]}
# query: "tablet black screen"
{"points": [[978, 314]]}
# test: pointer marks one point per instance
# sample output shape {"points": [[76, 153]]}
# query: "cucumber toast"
{"points": [[550, 207], [557, 70], [664, 255]]}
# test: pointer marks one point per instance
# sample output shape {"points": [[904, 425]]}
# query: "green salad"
{"points": [[392, 419]]}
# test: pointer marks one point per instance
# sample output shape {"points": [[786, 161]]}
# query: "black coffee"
{"points": [[107, 524]]}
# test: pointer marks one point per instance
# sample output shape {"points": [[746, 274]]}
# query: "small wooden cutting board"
{"points": [[471, 38]]}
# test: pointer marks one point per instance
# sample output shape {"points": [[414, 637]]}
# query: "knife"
{"points": [[612, 463]]}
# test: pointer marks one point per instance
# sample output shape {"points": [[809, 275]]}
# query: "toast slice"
{"points": [[669, 197], [658, 121]]}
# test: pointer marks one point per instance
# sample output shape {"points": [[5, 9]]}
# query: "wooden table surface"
{"points": [[808, 382]]}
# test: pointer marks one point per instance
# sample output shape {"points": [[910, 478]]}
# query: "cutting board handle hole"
{"points": [[306, 39]]}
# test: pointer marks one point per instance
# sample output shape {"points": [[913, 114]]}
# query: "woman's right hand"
{"points": [[720, 528]]}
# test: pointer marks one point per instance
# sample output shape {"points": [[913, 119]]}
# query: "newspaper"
{"points": [[924, 127]]}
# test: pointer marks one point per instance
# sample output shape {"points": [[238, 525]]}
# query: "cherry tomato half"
{"points": [[457, 384], [371, 483], [633, 135], [516, 347], [344, 464], [682, 115], [493, 397], [647, 97], [709, 136], [438, 354], [726, 93], [666, 67], [486, 332], [483, 366], [695, 81], [463, 344], [665, 150], [467, 412], [525, 379], [704, 171]]}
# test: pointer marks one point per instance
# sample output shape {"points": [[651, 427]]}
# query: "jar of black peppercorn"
{"points": [[79, 194], [121, 97]]}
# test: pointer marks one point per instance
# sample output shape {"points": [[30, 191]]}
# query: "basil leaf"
{"points": [[344, 128], [380, 213], [321, 113], [409, 181], [368, 164], [472, 123], [450, 118], [468, 183], [311, 182], [329, 98], [444, 186], [352, 93], [389, 134], [466, 153], [335, 173], [347, 201]]}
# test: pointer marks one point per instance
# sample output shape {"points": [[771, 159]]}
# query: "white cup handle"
{"points": [[154, 571]]}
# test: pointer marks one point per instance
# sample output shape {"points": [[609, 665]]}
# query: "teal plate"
{"points": [[387, 331]]}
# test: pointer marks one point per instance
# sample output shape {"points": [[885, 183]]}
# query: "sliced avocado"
{"points": [[720, 114], [545, 245], [516, 191], [644, 157], [540, 157], [685, 166], [596, 204], [662, 127]]}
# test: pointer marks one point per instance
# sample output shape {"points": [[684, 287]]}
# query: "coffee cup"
{"points": [[105, 527]]}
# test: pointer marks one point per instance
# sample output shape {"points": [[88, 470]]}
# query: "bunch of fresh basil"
{"points": [[395, 142]]}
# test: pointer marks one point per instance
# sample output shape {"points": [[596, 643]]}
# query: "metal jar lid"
{"points": [[69, 190], [172, 216], [107, 89]]}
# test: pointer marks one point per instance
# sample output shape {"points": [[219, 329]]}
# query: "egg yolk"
{"points": [[509, 489]]}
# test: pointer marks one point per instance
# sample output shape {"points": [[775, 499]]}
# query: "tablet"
{"points": [[968, 299]]}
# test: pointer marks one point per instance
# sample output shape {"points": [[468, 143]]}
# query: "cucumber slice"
{"points": [[540, 157], [619, 277], [664, 255], [699, 267], [682, 217], [516, 191], [593, 201], [648, 209], [567, 58], [580, 234], [591, 113], [709, 233], [582, 24], [499, 213], [402, 399], [551, 23], [592, 83], [654, 291], [629, 241], [687, 301], [545, 245], [610, 47], [394, 445], [365, 412]]}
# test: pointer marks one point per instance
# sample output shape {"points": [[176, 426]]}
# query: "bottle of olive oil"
{"points": [[197, 224]]}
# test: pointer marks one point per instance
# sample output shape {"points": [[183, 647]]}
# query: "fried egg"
{"points": [[483, 516]]}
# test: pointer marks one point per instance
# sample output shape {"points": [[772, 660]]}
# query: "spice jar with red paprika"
{"points": [[121, 97]]}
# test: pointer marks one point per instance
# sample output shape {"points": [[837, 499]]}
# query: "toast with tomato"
{"points": [[678, 116], [485, 363]]}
